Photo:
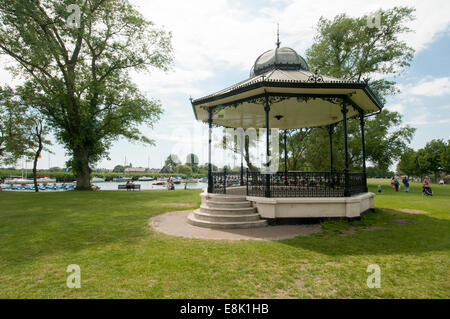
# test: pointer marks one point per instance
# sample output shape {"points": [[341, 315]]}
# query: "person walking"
{"points": [[426, 187], [406, 183]]}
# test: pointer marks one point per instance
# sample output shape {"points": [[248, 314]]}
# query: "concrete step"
{"points": [[225, 218], [225, 225], [226, 198], [213, 203], [227, 211]]}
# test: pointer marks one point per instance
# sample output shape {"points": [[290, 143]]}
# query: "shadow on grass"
{"points": [[394, 233]]}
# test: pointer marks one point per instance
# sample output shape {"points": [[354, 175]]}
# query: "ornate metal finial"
{"points": [[191, 99], [278, 36], [366, 79], [316, 77]]}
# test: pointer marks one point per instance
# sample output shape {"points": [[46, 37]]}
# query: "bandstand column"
{"points": [[242, 146], [330, 133], [210, 179], [267, 110], [363, 148], [285, 160], [346, 169]]}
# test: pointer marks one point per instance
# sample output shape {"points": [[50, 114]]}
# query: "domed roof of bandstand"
{"points": [[298, 97], [278, 58]]}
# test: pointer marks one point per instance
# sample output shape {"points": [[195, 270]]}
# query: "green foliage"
{"points": [[348, 48], [22, 130], [79, 77], [386, 140], [432, 159], [118, 169], [183, 169], [377, 172], [172, 161], [14, 127], [445, 158], [192, 161]]}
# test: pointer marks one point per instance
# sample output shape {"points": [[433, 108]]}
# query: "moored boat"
{"points": [[122, 179], [145, 179], [96, 179]]}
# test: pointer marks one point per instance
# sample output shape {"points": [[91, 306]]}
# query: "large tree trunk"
{"points": [[82, 170], [247, 158]]}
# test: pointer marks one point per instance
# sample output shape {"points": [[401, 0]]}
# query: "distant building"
{"points": [[135, 170], [154, 170]]}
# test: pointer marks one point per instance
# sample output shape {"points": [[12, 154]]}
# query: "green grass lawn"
{"points": [[106, 234]]}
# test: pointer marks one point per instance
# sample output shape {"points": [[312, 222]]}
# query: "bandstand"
{"points": [[283, 93]]}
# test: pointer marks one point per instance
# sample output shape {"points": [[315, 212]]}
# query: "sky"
{"points": [[216, 43]]}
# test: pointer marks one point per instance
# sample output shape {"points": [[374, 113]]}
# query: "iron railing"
{"points": [[292, 184], [222, 180]]}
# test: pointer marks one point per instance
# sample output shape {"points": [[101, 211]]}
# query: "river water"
{"points": [[147, 185]]}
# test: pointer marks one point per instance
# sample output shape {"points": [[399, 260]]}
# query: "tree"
{"points": [[38, 141], [14, 127], [348, 48], [78, 76], [377, 172], [183, 169], [22, 131], [192, 161], [445, 158], [172, 161], [230, 142], [295, 148], [431, 157], [119, 169]]}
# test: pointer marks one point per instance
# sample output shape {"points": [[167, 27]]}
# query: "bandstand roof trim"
{"points": [[298, 98]]}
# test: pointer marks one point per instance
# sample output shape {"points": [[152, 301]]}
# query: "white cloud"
{"points": [[419, 120], [429, 87], [396, 108], [208, 35]]}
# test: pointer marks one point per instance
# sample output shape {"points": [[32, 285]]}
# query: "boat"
{"points": [[203, 180], [18, 181], [96, 179], [122, 179], [145, 179], [162, 183], [46, 180]]}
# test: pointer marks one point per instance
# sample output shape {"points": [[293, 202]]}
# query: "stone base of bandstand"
{"points": [[294, 208], [313, 207]]}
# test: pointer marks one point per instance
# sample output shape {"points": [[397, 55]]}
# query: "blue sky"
{"points": [[216, 42]]}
